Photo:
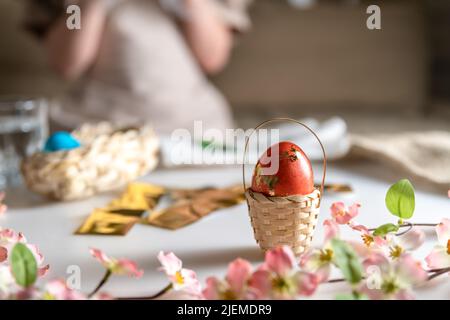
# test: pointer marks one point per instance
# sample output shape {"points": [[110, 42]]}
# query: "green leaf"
{"points": [[385, 229], [347, 261], [400, 199], [23, 265], [351, 296], [344, 296]]}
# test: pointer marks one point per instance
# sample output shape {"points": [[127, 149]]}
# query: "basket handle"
{"points": [[262, 124]]}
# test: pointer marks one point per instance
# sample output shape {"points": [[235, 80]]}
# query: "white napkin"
{"points": [[332, 133]]}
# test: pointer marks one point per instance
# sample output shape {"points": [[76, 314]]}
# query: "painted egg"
{"points": [[289, 173], [61, 140]]}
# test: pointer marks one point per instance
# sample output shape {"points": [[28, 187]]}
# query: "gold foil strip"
{"points": [[187, 206], [337, 187], [190, 205], [138, 196], [122, 213], [102, 222]]}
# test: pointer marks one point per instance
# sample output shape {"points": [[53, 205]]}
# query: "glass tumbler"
{"points": [[23, 131]]}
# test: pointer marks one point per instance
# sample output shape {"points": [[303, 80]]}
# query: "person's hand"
{"points": [[71, 52], [208, 36]]}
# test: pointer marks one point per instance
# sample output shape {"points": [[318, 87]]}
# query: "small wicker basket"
{"points": [[287, 220], [110, 157]]}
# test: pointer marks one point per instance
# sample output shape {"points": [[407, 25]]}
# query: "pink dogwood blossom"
{"points": [[181, 278], [278, 277], [344, 215], [319, 261], [235, 284], [9, 238], [410, 241], [440, 255], [392, 279], [371, 241], [117, 266], [58, 290]]}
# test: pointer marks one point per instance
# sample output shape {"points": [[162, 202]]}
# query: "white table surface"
{"points": [[208, 245]]}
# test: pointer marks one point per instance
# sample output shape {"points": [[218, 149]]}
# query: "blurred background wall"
{"points": [[299, 62], [325, 57]]}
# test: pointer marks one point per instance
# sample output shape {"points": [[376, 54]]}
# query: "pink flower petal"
{"points": [[404, 295], [338, 212], [438, 258], [43, 270], [307, 283], [3, 254], [261, 283], [212, 291], [280, 260], [443, 231], [190, 283], [117, 266], [360, 228], [170, 263], [409, 271], [59, 290], [361, 249], [341, 214], [323, 273], [380, 241], [310, 260], [100, 256], [331, 230], [353, 210], [412, 240], [129, 268], [336, 208], [12, 236], [376, 259], [239, 271], [101, 296]]}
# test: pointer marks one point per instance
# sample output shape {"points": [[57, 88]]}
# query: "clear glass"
{"points": [[23, 131]]}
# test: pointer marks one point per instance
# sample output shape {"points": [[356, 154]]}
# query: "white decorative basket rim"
{"points": [[110, 156]]}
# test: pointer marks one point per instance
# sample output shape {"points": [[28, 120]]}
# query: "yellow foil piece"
{"points": [[187, 206], [138, 196], [104, 222], [190, 205], [122, 213]]}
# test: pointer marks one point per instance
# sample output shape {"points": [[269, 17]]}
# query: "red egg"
{"points": [[293, 177]]}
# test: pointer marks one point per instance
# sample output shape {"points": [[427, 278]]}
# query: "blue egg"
{"points": [[61, 140]]}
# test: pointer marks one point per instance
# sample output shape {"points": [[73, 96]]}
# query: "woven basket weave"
{"points": [[109, 158], [287, 220], [283, 220]]}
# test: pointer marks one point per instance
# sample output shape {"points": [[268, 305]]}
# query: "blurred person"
{"points": [[140, 60]]}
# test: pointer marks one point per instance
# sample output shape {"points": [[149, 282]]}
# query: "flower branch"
{"points": [[381, 265], [102, 282]]}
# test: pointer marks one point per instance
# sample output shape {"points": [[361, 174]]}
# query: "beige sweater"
{"points": [[146, 72]]}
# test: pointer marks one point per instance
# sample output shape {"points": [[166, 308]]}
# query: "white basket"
{"points": [[109, 158]]}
